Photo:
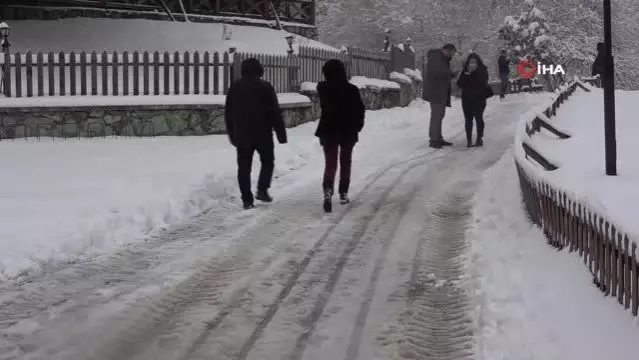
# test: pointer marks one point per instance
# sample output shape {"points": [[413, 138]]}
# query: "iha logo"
{"points": [[528, 69]]}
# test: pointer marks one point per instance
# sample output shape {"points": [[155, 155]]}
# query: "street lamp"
{"points": [[407, 43], [5, 31], [289, 40], [387, 32], [609, 95]]}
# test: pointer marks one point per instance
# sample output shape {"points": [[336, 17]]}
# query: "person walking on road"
{"points": [[598, 65], [473, 82], [251, 113], [341, 120], [437, 91], [504, 71]]}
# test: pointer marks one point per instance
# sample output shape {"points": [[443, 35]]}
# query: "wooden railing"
{"points": [[570, 223]]}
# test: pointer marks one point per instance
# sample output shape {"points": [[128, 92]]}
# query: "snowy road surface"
{"points": [[385, 277]]}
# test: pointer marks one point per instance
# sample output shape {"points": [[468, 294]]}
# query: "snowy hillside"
{"points": [[581, 158], [84, 34]]}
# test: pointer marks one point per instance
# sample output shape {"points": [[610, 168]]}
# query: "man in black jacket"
{"points": [[504, 71], [251, 113], [437, 91]]}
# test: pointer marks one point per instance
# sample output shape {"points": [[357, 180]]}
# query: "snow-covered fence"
{"points": [[312, 59], [568, 221], [60, 74], [402, 57], [281, 71], [359, 62]]}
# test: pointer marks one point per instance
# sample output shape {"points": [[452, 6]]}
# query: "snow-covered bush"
{"points": [[402, 78], [416, 74]]}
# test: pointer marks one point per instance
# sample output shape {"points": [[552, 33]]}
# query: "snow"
{"points": [[405, 79], [289, 99], [101, 194], [541, 39], [308, 86], [414, 74], [88, 34], [364, 82], [401, 47], [533, 302], [361, 82], [581, 158]]}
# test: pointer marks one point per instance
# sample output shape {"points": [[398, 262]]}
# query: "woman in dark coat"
{"points": [[473, 82], [341, 120]]}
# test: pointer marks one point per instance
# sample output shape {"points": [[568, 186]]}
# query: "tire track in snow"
{"points": [[355, 338], [317, 247], [142, 324], [439, 323]]}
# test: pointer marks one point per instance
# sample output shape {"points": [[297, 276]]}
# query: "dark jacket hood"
{"points": [[434, 52], [335, 71], [251, 68]]}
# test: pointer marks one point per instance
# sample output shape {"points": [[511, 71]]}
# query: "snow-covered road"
{"points": [[383, 278]]}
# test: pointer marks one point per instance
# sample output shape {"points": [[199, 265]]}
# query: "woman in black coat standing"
{"points": [[473, 82], [341, 120]]}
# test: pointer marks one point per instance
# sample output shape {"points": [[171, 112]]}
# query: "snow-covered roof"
{"points": [[87, 34]]}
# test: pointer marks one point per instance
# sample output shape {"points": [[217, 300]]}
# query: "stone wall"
{"points": [[167, 120], [376, 98], [137, 120]]}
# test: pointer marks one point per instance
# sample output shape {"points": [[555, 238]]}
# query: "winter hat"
{"points": [[334, 70], [252, 68]]}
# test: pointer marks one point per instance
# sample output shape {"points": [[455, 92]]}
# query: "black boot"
{"points": [[248, 205], [480, 142], [469, 143], [328, 200], [446, 143], [263, 195], [435, 144], [343, 199]]}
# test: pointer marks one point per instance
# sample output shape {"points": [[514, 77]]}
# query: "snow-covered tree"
{"points": [[527, 35]]}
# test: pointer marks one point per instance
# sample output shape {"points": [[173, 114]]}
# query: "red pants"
{"points": [[331, 154]]}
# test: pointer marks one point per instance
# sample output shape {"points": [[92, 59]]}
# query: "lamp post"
{"points": [[407, 43], [609, 95], [387, 33], [289, 40], [5, 31]]}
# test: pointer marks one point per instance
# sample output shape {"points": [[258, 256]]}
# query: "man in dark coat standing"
{"points": [[437, 91], [598, 65], [504, 71], [251, 113]]}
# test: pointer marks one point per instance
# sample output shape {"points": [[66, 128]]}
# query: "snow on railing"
{"points": [[570, 220]]}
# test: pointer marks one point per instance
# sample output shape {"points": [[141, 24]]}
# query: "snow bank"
{"points": [[87, 34], [582, 170], [534, 302], [414, 74], [308, 86], [148, 100], [404, 79], [364, 82]]}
